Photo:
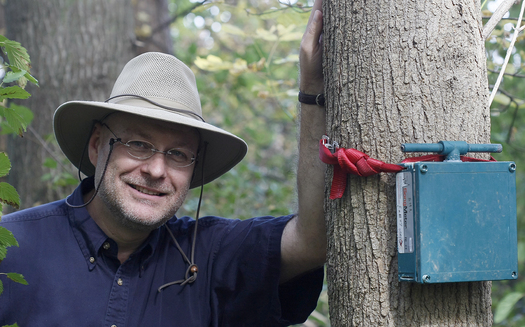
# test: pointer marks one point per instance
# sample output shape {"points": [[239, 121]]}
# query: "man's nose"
{"points": [[156, 166]]}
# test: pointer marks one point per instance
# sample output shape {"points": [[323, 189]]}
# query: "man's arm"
{"points": [[303, 245]]}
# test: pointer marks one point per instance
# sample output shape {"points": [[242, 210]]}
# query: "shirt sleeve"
{"points": [[246, 272]]}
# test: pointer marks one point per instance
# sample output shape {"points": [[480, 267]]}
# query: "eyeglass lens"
{"points": [[143, 150]]}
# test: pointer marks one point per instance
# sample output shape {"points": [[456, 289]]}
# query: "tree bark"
{"points": [[77, 50], [399, 71]]}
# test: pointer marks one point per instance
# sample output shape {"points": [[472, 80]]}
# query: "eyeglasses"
{"points": [[176, 157]]}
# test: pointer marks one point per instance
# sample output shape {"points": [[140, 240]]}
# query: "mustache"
{"points": [[144, 181]]}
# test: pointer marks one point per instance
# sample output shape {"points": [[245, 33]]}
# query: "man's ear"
{"points": [[94, 144]]}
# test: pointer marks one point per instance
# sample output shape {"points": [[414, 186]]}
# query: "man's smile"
{"points": [[146, 191]]}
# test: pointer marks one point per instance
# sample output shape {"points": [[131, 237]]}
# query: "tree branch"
{"points": [[511, 127], [517, 30], [167, 23], [496, 17], [510, 96], [506, 74]]}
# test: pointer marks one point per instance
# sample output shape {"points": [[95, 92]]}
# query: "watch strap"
{"points": [[317, 99]]}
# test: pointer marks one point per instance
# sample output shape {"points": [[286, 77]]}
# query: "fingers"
{"points": [[315, 28], [310, 44], [318, 5], [315, 23], [310, 57]]}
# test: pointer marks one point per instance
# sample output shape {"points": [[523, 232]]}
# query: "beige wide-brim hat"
{"points": [[158, 86]]}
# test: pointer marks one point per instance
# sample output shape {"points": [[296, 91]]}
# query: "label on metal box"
{"points": [[405, 212]]}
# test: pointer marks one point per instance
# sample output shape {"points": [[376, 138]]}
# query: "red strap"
{"points": [[352, 161]]}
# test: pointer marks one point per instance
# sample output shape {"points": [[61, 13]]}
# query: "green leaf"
{"points": [[12, 76], [291, 36], [212, 63], [13, 92], [9, 195], [16, 119], [46, 177], [50, 163], [67, 180], [505, 306], [5, 164], [21, 79], [19, 278], [7, 238], [3, 252], [232, 29], [13, 325], [1, 288], [16, 54], [31, 78], [267, 35]]}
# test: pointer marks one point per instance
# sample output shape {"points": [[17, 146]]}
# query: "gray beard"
{"points": [[128, 218]]}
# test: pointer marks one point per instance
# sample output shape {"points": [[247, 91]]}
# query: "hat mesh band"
{"points": [[152, 70]]}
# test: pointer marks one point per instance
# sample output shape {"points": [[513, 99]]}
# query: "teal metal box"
{"points": [[457, 222]]}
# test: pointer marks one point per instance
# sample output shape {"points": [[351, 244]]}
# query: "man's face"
{"points": [[142, 194]]}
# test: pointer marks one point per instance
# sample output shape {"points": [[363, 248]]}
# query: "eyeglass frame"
{"points": [[153, 149]]}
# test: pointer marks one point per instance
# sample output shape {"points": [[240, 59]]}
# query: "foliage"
{"points": [[14, 74], [248, 83], [15, 118]]}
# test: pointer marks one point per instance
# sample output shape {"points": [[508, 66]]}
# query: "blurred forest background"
{"points": [[245, 56]]}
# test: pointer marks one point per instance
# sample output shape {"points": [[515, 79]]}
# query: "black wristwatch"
{"points": [[311, 99]]}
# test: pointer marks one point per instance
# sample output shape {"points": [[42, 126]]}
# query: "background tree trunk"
{"points": [[77, 50], [398, 71]]}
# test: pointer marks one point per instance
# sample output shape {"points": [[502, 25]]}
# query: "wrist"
{"points": [[311, 89], [311, 84]]}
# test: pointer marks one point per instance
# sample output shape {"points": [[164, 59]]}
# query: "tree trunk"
{"points": [[77, 50], [397, 72]]}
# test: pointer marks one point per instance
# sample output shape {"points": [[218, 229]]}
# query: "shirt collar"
{"points": [[91, 239]]}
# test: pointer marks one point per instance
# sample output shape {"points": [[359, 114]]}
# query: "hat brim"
{"points": [[73, 122]]}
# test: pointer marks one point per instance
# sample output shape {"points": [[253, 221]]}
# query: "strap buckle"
{"points": [[330, 146], [319, 100]]}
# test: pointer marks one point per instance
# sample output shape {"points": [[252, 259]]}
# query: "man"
{"points": [[114, 254]]}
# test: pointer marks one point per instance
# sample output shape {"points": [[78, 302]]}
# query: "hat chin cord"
{"points": [[193, 269], [111, 142]]}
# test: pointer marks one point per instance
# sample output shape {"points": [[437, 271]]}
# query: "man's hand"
{"points": [[311, 56], [303, 246]]}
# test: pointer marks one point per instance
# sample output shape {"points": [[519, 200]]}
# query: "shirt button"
{"points": [[91, 259], [119, 282], [106, 245], [113, 325]]}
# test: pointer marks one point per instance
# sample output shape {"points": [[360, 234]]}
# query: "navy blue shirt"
{"points": [[76, 279]]}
